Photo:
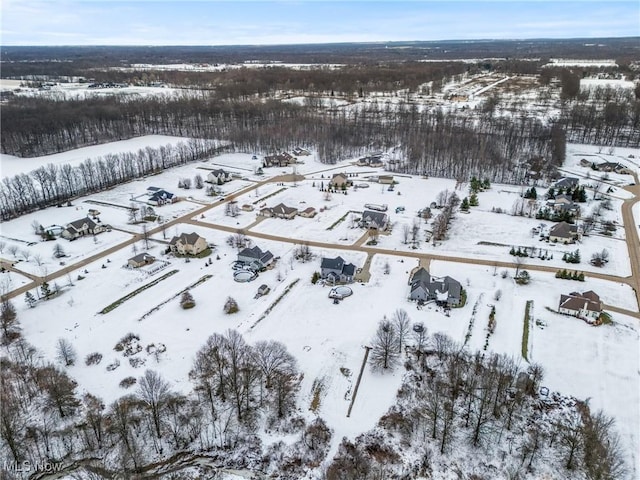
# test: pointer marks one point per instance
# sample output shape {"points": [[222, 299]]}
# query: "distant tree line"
{"points": [[57, 184]]}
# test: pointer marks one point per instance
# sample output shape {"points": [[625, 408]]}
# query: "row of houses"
{"points": [[283, 211]]}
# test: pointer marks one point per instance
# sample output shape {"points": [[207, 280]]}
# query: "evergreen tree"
{"points": [[464, 206], [45, 290], [30, 299], [473, 201]]}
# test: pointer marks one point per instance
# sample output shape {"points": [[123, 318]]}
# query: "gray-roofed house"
{"points": [[141, 260], [565, 182], [445, 290], [564, 203], [82, 227], [279, 211], [377, 220], [336, 270], [564, 232], [585, 305], [219, 176], [255, 258], [188, 244]]}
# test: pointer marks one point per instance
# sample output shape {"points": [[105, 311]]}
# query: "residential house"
{"points": [[566, 182], [308, 212], [386, 179], [585, 305], [161, 197], [373, 219], [141, 260], [336, 270], [280, 160], [219, 176], [82, 227], [614, 167], [564, 203], [564, 232], [255, 258], [340, 180], [279, 211], [374, 160], [188, 244], [424, 287]]}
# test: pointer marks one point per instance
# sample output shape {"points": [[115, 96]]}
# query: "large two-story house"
{"points": [[424, 287], [336, 270]]}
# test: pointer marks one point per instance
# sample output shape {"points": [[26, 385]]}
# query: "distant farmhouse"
{"points": [[374, 161], [614, 167], [424, 287], [374, 219], [188, 244], [279, 211], [219, 176], [160, 196], [255, 258], [564, 232], [80, 228], [585, 305], [336, 270], [308, 212], [283, 159]]}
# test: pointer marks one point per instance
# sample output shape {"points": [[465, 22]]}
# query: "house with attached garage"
{"points": [[161, 197], [188, 244], [376, 220], [566, 182], [336, 270], [219, 176], [424, 287], [80, 228], [255, 258], [564, 232], [280, 160], [585, 305], [564, 203], [279, 211]]}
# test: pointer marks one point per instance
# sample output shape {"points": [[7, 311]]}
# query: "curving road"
{"points": [[190, 218]]}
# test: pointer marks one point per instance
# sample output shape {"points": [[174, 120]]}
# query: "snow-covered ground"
{"points": [[328, 339], [11, 165]]}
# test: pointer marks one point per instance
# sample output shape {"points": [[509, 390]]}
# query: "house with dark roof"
{"points": [[564, 232], [188, 244], [80, 228], [566, 182], [279, 211], [280, 160], [614, 167], [585, 305], [141, 260], [255, 258], [424, 287], [336, 270], [373, 219], [219, 176], [564, 203], [161, 197], [308, 212]]}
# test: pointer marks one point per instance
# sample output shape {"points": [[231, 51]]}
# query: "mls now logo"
{"points": [[30, 467]]}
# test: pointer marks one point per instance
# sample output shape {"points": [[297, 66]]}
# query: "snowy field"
{"points": [[603, 364], [11, 165]]}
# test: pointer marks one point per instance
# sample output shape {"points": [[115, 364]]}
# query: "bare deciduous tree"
{"points": [[384, 349], [65, 352]]}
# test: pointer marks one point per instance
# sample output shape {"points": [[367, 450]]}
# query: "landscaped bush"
{"points": [[93, 358], [127, 382]]}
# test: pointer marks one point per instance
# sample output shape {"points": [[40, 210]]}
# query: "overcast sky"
{"points": [[209, 22]]}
